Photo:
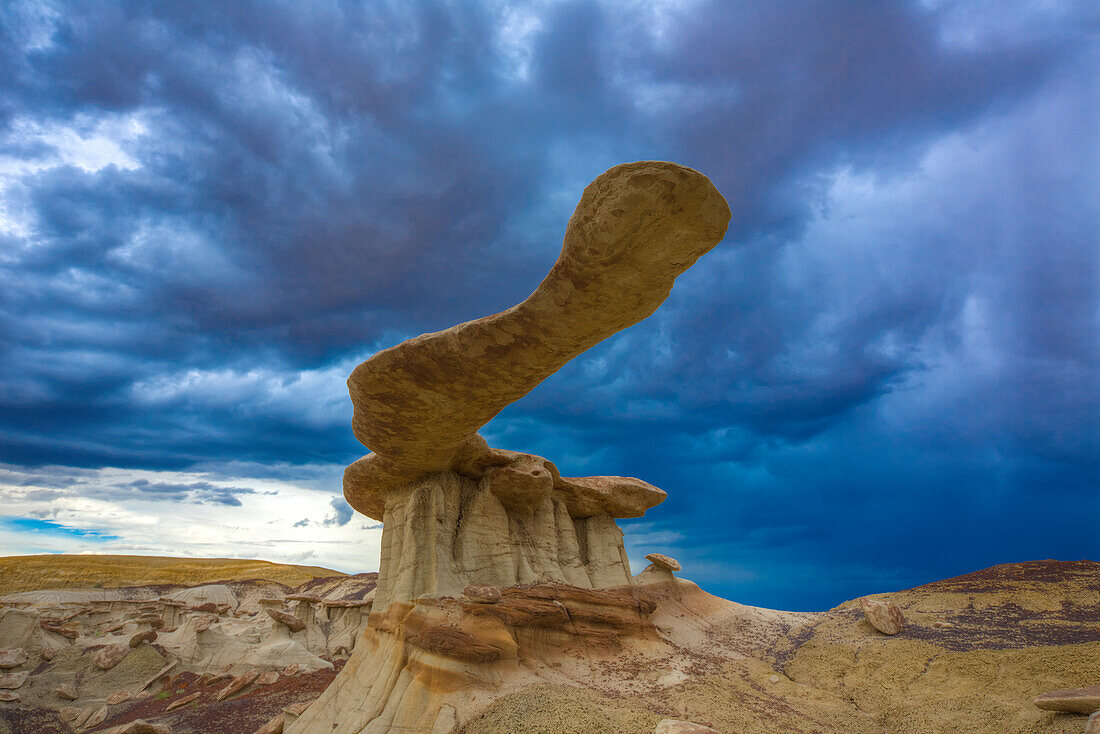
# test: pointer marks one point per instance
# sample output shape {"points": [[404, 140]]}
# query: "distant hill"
{"points": [[60, 571]]}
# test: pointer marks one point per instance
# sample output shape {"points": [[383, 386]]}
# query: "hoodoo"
{"points": [[457, 513]]}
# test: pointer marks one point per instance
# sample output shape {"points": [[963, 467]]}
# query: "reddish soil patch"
{"points": [[244, 712]]}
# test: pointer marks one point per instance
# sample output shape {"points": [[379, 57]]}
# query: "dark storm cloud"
{"points": [[210, 213]]}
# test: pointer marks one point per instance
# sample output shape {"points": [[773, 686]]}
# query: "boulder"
{"points": [[481, 594], [47, 653], [66, 691], [675, 726], [12, 658], [660, 560], [110, 656], [292, 623], [885, 616], [1072, 700]]}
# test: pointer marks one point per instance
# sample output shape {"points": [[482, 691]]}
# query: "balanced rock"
{"points": [[458, 513], [12, 657], [110, 656], [675, 726], [67, 691], [1073, 700], [660, 560], [292, 622], [418, 405], [885, 616]]}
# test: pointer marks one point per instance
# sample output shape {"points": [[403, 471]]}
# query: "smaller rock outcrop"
{"points": [[1071, 700], [885, 616], [67, 691], [11, 681]]}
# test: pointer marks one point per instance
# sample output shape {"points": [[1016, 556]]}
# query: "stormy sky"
{"points": [[888, 373]]}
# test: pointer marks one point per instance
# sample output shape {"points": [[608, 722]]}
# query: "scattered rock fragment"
{"points": [[294, 669], [1072, 700], [69, 714], [97, 717], [10, 697], [267, 678], [236, 684], [111, 655], [773, 679], [11, 681], [482, 593], [210, 679], [660, 560], [67, 691], [182, 701], [1093, 724], [206, 622], [275, 726], [118, 697], [293, 623], [12, 658], [149, 635], [297, 709], [885, 616], [47, 653], [675, 726]]}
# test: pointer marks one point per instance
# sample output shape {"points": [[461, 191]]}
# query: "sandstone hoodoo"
{"points": [[460, 517]]}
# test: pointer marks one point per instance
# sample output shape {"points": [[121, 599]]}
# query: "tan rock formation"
{"points": [[460, 517], [419, 405], [286, 618]]}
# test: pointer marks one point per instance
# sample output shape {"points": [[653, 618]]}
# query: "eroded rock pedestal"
{"points": [[457, 513]]}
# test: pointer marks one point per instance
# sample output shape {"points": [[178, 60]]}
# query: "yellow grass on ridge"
{"points": [[62, 571]]}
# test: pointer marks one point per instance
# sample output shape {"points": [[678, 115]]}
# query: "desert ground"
{"points": [[973, 653]]}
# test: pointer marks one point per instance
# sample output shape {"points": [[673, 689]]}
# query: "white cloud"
{"points": [[114, 517]]}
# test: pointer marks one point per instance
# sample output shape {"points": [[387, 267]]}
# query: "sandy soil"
{"points": [[25, 573]]}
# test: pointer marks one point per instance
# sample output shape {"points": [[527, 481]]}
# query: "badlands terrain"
{"points": [[973, 653]]}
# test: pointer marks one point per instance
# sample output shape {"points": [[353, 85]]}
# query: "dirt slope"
{"points": [[58, 571]]}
